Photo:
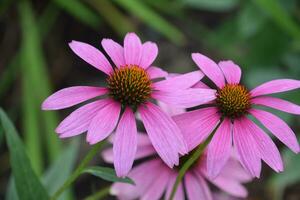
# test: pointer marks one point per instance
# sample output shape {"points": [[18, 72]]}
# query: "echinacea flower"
{"points": [[154, 179], [232, 106], [130, 87]]}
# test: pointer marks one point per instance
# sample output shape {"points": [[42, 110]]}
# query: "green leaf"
{"points": [[280, 16], [80, 11], [154, 20], [27, 183], [107, 174], [212, 5]]}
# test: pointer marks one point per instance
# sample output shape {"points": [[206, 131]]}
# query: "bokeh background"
{"points": [[262, 36]]}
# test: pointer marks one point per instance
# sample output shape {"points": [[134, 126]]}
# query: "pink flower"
{"points": [[232, 104], [130, 87], [153, 178]]}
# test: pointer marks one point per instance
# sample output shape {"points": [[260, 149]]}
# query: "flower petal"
{"points": [[91, 55], [163, 133], [156, 72], [132, 49], [219, 149], [179, 82], [196, 187], [246, 148], [115, 52], [197, 125], [171, 110], [125, 143], [278, 104], [149, 53], [104, 122], [278, 127], [209, 68], [185, 98], [275, 86], [266, 147], [71, 96], [201, 85], [179, 195], [232, 71], [79, 120]]}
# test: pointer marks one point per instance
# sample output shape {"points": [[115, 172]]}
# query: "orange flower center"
{"points": [[130, 85], [233, 100]]}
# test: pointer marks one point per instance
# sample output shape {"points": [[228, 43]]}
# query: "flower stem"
{"points": [[195, 156], [93, 151], [99, 195]]}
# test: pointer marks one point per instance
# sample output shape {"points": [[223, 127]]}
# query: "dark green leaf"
{"points": [[107, 174], [212, 5], [27, 183]]}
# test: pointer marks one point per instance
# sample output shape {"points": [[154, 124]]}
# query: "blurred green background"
{"points": [[262, 36]]}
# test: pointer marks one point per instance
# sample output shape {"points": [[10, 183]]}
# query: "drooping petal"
{"points": [[91, 55], [171, 110], [115, 52], [132, 49], [79, 120], [219, 149], [266, 147], [156, 72], [179, 195], [149, 53], [125, 144], [179, 82], [159, 185], [163, 133], [232, 71], [210, 69], [71, 96], [278, 104], [104, 122], [246, 148], [185, 98], [201, 85], [278, 127], [197, 125], [230, 186], [196, 187], [275, 86]]}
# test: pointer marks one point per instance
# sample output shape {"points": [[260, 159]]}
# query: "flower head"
{"points": [[153, 179], [131, 84], [232, 105]]}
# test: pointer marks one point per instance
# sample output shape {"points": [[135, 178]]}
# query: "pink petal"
{"points": [[91, 55], [230, 186], [132, 49], [278, 127], [79, 120], [71, 96], [179, 82], [185, 98], [266, 147], [125, 143], [209, 68], [246, 148], [232, 71], [115, 52], [156, 72], [197, 125], [278, 104], [163, 133], [149, 53], [104, 122], [219, 149], [196, 187], [171, 110], [179, 195], [201, 85], [275, 86], [158, 186]]}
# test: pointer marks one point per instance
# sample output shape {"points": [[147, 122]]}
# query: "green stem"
{"points": [[195, 156], [99, 195], [93, 151]]}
